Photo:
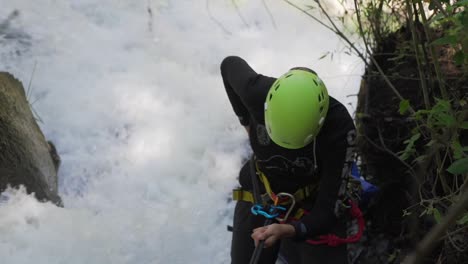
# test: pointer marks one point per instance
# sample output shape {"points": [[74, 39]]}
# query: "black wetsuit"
{"points": [[320, 162]]}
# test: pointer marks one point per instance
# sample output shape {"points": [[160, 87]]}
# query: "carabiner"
{"points": [[271, 213]]}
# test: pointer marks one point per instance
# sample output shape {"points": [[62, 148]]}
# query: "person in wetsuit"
{"points": [[299, 136]]}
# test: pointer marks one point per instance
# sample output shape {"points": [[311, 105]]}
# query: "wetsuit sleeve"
{"points": [[238, 76], [321, 218]]}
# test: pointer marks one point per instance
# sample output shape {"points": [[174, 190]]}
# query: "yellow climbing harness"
{"points": [[300, 195]]}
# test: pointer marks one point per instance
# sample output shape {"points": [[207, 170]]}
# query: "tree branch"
{"points": [[272, 18], [335, 30], [437, 232]]}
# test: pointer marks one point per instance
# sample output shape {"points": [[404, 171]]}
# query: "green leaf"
{"points": [[438, 17], [463, 220], [420, 159], [420, 114], [459, 166], [442, 104], [457, 149], [404, 106], [399, 57], [413, 139], [446, 120], [409, 149], [431, 143], [437, 215], [450, 39], [362, 115], [392, 257]]}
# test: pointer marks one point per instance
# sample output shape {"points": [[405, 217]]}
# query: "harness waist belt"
{"points": [[247, 196]]}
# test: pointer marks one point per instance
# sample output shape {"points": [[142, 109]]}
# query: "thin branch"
{"points": [[28, 93], [389, 152], [36, 116], [413, 173], [220, 25], [311, 16], [422, 76], [376, 64], [437, 232], [353, 47], [361, 30], [440, 169], [441, 8], [454, 232], [36, 100], [454, 244], [272, 18], [239, 13], [150, 17], [435, 61]]}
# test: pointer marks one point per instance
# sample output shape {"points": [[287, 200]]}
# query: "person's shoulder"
{"points": [[336, 107], [232, 59], [337, 113]]}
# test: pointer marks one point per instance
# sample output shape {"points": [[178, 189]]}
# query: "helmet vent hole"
{"points": [[277, 87], [321, 109], [287, 76], [315, 82], [319, 98], [271, 96]]}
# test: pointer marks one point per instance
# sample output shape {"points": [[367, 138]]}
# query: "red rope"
{"points": [[333, 240]]}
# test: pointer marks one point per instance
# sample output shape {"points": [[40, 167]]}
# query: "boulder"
{"points": [[26, 157]]}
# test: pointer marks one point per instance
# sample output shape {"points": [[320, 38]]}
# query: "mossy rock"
{"points": [[26, 157]]}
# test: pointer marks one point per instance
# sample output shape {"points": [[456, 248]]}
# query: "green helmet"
{"points": [[295, 108]]}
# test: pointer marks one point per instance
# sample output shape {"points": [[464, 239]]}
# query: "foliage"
{"points": [[455, 18], [434, 146], [437, 46]]}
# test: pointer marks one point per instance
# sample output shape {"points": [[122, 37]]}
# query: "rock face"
{"points": [[26, 157]]}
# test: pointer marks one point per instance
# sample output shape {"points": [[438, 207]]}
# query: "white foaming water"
{"points": [[131, 94]]}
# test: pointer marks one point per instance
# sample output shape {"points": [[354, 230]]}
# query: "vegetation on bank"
{"points": [[412, 118]]}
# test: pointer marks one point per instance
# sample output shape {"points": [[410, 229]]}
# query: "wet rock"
{"points": [[26, 157]]}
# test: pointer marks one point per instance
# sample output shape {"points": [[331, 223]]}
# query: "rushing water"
{"points": [[130, 93]]}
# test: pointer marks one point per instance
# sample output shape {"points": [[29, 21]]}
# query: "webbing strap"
{"points": [[300, 195], [247, 196]]}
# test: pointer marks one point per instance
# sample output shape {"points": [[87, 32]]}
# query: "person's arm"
{"points": [[238, 77], [321, 218]]}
